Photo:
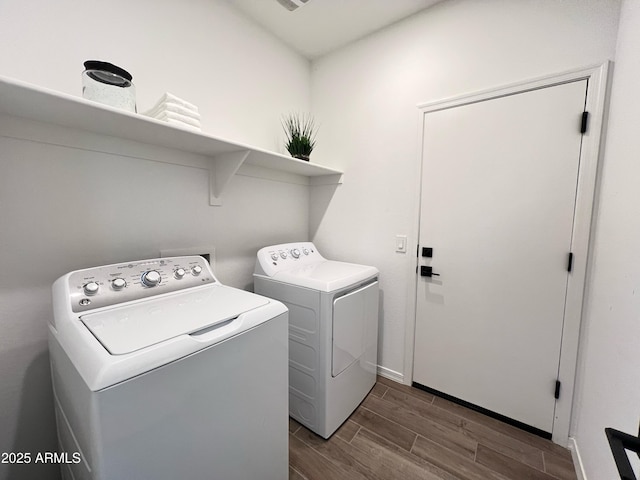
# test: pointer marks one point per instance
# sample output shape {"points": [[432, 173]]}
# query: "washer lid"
{"points": [[326, 275], [131, 327]]}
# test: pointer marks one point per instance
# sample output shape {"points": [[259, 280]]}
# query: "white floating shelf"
{"points": [[24, 100]]}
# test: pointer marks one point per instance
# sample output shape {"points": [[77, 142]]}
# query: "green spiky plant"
{"points": [[300, 130]]}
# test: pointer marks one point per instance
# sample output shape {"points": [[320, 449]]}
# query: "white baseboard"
{"points": [[390, 374], [577, 459]]}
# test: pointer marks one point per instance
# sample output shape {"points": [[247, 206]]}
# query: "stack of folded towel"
{"points": [[176, 111]]}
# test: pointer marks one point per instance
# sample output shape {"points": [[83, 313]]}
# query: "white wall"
{"points": [[63, 208], [365, 97], [608, 391]]}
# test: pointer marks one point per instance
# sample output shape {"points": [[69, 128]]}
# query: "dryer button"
{"points": [[91, 288]]}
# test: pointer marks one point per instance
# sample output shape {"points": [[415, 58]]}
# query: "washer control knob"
{"points": [[274, 256], [118, 283], [295, 253], [283, 255], [179, 273], [197, 270], [151, 278], [91, 288], [305, 251]]}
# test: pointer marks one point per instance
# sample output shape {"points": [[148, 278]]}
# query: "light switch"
{"points": [[401, 243]]}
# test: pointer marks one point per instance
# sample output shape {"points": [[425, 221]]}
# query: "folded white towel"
{"points": [[171, 98], [172, 107], [166, 116]]}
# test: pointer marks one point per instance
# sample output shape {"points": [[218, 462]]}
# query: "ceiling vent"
{"points": [[291, 5]]}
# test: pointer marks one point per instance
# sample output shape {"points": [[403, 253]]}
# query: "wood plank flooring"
{"points": [[402, 433]]}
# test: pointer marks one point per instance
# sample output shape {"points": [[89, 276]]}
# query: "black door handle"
{"points": [[427, 272]]}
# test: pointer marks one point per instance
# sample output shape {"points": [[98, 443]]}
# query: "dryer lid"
{"points": [[131, 327], [327, 275]]}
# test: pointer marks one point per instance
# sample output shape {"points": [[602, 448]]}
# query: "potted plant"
{"points": [[300, 130]]}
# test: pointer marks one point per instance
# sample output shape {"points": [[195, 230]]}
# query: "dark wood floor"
{"points": [[403, 433]]}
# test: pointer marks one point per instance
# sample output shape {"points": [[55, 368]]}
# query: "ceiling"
{"points": [[320, 26]]}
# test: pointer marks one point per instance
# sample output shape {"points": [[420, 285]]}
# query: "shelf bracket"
{"points": [[222, 169]]}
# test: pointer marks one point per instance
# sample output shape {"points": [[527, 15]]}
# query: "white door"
{"points": [[497, 208]]}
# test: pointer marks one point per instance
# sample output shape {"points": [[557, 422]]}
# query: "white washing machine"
{"points": [[160, 372], [333, 330]]}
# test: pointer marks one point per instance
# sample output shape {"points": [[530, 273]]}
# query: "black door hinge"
{"points": [[570, 262], [556, 394], [583, 124]]}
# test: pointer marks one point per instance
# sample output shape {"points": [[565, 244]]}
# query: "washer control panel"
{"points": [[286, 256], [113, 284]]}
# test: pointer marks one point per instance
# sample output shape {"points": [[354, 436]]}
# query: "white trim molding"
{"points": [[577, 459], [390, 374], [597, 77]]}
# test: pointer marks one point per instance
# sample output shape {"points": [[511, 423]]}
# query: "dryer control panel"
{"points": [[286, 256], [122, 282]]}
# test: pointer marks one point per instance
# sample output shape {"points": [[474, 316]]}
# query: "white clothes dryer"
{"points": [[333, 330], [160, 372]]}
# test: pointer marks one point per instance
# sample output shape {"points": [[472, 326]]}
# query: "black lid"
{"points": [[107, 67]]}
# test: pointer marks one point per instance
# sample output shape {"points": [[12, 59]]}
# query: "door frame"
{"points": [[590, 154]]}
